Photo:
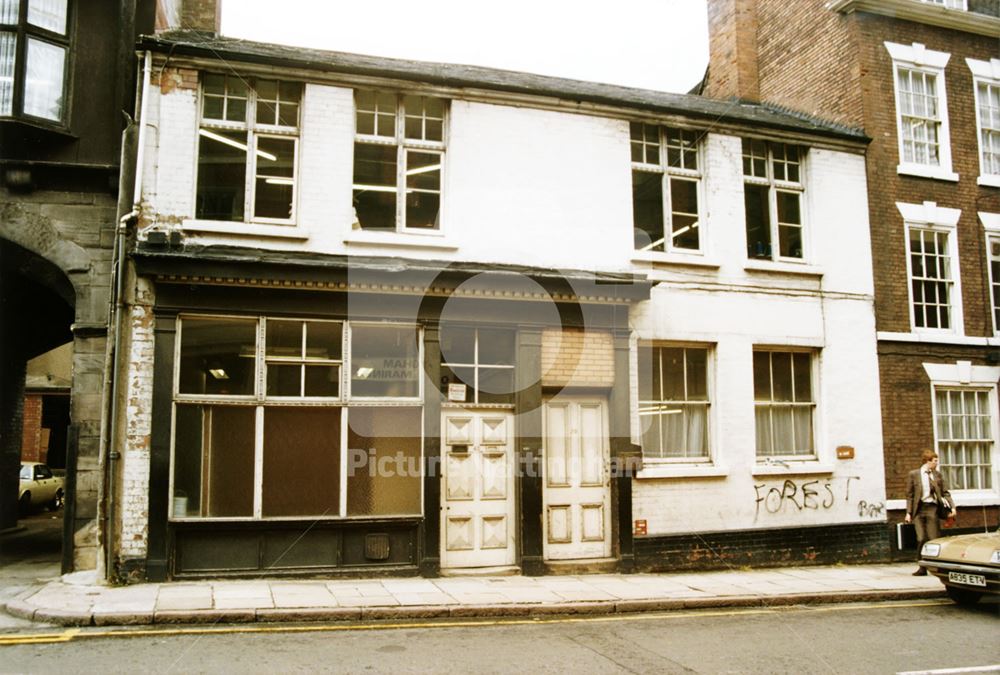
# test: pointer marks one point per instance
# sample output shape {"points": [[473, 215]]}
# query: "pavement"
{"points": [[80, 600]]}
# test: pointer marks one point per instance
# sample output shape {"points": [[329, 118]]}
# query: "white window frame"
{"points": [[775, 185], [964, 375], [960, 5], [710, 414], [813, 404], [991, 232], [667, 174], [476, 367], [385, 400], [259, 400], [404, 146], [931, 217], [917, 58], [985, 74], [254, 132]]}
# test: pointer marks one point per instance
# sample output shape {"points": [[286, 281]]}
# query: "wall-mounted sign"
{"points": [[456, 392], [640, 527], [845, 452]]}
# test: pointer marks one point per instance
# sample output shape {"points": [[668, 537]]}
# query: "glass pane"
{"points": [[222, 167], [324, 339], [762, 417], [782, 427], [649, 381], [672, 360], [48, 14], [459, 375], [781, 376], [322, 381], [496, 385], [649, 421], [788, 208], [9, 10], [684, 213], [384, 471], [284, 379], [214, 461], [375, 186], [802, 417], [275, 178], [802, 370], [497, 346], [301, 462], [217, 356], [674, 427], [8, 49], [385, 361], [647, 210], [758, 221], [790, 241], [697, 431], [762, 376], [423, 189], [284, 338], [458, 344], [43, 82], [697, 374]]}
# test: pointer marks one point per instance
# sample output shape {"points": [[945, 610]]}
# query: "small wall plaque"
{"points": [[456, 392], [640, 527], [845, 452]]}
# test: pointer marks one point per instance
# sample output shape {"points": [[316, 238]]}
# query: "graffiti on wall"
{"points": [[795, 496]]}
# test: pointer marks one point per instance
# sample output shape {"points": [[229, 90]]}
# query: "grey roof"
{"points": [[207, 45]]}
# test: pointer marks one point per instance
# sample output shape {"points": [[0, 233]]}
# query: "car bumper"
{"points": [[941, 568]]}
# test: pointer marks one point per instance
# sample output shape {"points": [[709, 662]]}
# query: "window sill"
{"points": [[684, 259], [430, 241], [921, 171], [792, 468], [989, 181], [245, 229], [681, 471], [942, 337], [803, 269]]}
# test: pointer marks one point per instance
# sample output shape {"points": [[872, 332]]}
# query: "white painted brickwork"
{"points": [[134, 499], [171, 162]]}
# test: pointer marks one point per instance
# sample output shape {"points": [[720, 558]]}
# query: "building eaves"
{"points": [[206, 45]]}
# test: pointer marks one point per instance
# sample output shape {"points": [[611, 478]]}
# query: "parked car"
{"points": [[39, 486], [967, 564]]}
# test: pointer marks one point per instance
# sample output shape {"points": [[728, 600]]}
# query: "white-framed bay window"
{"points": [[921, 111], [986, 82], [964, 405], [247, 149], [399, 153], [289, 418], [784, 402], [666, 186], [932, 267], [675, 398]]}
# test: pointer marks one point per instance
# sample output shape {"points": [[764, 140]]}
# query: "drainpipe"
{"points": [[116, 308]]}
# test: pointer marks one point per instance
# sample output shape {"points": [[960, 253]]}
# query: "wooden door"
{"points": [[576, 497], [478, 525]]}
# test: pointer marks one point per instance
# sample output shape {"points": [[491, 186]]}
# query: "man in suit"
{"points": [[925, 487]]}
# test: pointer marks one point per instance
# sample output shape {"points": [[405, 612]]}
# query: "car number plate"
{"points": [[967, 579]]}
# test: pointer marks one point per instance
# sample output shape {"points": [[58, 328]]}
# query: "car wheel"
{"points": [[25, 502], [57, 501], [963, 596]]}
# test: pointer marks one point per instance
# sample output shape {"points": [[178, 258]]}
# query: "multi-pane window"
{"points": [[930, 278], [263, 427], [988, 109], [783, 402], [247, 146], [773, 192], [665, 183], [479, 362], [674, 402], [964, 430], [34, 44], [950, 4], [919, 116], [993, 244], [399, 152]]}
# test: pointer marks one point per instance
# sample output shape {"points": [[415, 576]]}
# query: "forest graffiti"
{"points": [[798, 496]]}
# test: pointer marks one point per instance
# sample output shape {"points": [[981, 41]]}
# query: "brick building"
{"points": [[922, 79], [398, 317]]}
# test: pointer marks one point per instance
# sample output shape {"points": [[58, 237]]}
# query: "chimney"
{"points": [[732, 47], [202, 15]]}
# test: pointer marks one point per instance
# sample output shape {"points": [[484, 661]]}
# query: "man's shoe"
{"points": [[921, 572]]}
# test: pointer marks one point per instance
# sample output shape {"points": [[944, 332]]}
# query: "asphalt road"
{"points": [[861, 638], [27, 556]]}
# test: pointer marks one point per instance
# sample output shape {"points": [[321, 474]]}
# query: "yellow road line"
{"points": [[71, 634]]}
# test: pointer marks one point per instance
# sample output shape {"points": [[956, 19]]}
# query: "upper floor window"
{"points": [[921, 111], [247, 147], [674, 402], [665, 183], [950, 4], [34, 43], [399, 148], [784, 402], [773, 191], [986, 79], [931, 263]]}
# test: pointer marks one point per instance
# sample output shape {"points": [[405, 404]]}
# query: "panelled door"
{"points": [[576, 497], [477, 494]]}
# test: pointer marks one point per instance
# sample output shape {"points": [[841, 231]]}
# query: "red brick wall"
{"points": [[201, 15], [732, 44], [31, 435]]}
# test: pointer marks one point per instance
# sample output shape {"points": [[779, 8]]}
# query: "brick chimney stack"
{"points": [[732, 44], [203, 15]]}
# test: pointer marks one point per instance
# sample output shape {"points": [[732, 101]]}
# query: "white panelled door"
{"points": [[477, 492], [576, 498]]}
